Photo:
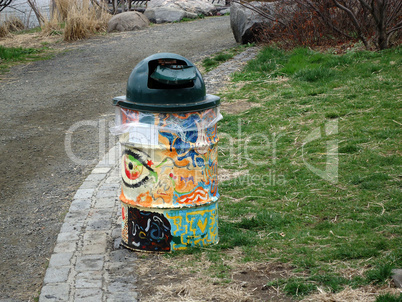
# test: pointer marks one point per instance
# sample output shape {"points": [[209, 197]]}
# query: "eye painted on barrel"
{"points": [[132, 167], [137, 168]]}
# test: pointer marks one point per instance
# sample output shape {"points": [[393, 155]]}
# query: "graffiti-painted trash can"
{"points": [[167, 129]]}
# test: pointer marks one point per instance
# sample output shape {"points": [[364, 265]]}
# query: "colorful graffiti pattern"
{"points": [[181, 170], [170, 189], [169, 229], [148, 231], [194, 227]]}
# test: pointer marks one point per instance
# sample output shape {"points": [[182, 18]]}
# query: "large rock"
{"points": [[167, 14], [245, 22], [168, 10], [127, 21]]}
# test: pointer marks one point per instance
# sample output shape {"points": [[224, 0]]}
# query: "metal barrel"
{"points": [[169, 159]]}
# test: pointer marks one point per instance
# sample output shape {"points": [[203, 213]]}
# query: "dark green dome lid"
{"points": [[166, 82]]}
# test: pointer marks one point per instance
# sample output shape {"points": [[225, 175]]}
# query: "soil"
{"points": [[39, 103], [190, 278]]}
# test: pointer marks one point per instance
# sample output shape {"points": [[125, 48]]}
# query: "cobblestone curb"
{"points": [[87, 262], [218, 77]]}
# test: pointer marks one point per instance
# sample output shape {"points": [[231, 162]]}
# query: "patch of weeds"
{"points": [[29, 31], [266, 64], [380, 274], [185, 19], [333, 282], [299, 287], [265, 220], [389, 298], [16, 53], [357, 250], [314, 74], [191, 250], [56, 33], [12, 55], [230, 236], [221, 57], [276, 283], [349, 148]]}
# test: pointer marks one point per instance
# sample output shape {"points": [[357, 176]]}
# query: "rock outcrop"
{"points": [[167, 14], [245, 22], [160, 11], [127, 21]]}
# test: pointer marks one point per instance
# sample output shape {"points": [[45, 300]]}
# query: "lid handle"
{"points": [[174, 74]]}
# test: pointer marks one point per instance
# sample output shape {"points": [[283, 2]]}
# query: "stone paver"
{"points": [[397, 277]]}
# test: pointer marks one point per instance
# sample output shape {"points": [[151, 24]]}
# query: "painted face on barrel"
{"points": [[132, 167], [137, 168]]}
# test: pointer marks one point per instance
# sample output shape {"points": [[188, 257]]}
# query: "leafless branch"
{"points": [[4, 4], [35, 8], [325, 19], [263, 13], [397, 27], [103, 7], [394, 13], [354, 21]]}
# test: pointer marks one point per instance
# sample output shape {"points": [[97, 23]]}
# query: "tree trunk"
{"points": [[380, 12]]}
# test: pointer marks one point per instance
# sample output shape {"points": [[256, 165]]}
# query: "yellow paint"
{"points": [[201, 225]]}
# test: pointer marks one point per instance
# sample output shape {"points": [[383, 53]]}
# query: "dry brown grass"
{"points": [[31, 40], [4, 32], [189, 278], [363, 294], [80, 18], [12, 24], [62, 8]]}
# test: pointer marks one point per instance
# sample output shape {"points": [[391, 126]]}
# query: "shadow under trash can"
{"points": [[167, 129]]}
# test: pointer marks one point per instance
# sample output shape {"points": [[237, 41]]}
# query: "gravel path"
{"points": [[39, 103]]}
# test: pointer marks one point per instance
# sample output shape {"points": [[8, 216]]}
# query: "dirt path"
{"points": [[38, 105]]}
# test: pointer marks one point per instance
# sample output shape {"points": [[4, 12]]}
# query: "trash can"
{"points": [[167, 129]]}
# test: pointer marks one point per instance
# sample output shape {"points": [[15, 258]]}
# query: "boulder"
{"points": [[224, 11], [157, 9], [245, 22], [167, 14], [199, 7], [127, 21]]}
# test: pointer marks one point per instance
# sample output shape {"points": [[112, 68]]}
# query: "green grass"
{"points": [[29, 31], [291, 206], [221, 57], [12, 55], [389, 298], [16, 54]]}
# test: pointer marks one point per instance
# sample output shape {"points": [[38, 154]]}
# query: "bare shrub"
{"points": [[76, 26], [51, 27], [4, 32], [14, 24], [330, 22], [4, 4], [11, 25], [61, 9], [35, 8], [76, 19], [84, 20]]}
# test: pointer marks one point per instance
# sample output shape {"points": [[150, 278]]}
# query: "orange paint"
{"points": [[199, 196]]}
